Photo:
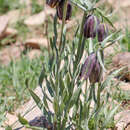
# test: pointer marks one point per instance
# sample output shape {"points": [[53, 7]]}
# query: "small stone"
{"points": [[4, 57], [9, 32], [3, 24], [11, 119], [34, 53], [49, 11], [123, 119], [13, 16], [11, 53], [120, 3], [125, 86], [35, 20], [108, 51], [120, 60], [36, 43], [26, 2], [15, 52], [128, 127]]}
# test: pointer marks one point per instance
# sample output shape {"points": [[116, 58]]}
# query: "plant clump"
{"points": [[63, 71]]}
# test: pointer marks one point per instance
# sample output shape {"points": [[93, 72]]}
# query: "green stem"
{"points": [[86, 89], [98, 96], [128, 39], [63, 23], [46, 33], [80, 38], [78, 55], [58, 64], [99, 84], [128, 47]]}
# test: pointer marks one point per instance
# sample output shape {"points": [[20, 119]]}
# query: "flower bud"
{"points": [[91, 69], [60, 11], [53, 3], [96, 73], [102, 32], [90, 26]]}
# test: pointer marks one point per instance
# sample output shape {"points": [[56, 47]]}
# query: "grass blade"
{"points": [[22, 120], [36, 99], [105, 18], [100, 60]]}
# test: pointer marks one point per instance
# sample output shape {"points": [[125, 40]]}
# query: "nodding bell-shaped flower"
{"points": [[90, 26], [102, 32], [53, 3], [60, 11], [91, 69]]}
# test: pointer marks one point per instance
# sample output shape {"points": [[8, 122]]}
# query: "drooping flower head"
{"points": [[53, 3], [90, 26], [59, 10], [91, 69], [102, 32]]}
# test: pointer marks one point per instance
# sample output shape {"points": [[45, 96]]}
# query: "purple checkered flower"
{"points": [[90, 26], [102, 32], [60, 11], [53, 3], [91, 69]]}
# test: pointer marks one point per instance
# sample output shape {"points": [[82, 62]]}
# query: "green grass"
{"points": [[7, 5], [21, 28], [36, 8], [12, 82], [125, 42]]}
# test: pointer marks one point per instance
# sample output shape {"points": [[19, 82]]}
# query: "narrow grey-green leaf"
{"points": [[36, 98], [62, 86], [75, 97], [110, 115], [45, 103], [110, 77], [63, 39], [67, 81], [112, 42], [119, 38], [65, 96], [50, 90], [55, 26], [22, 120], [105, 18], [51, 44], [56, 105], [107, 39], [42, 75], [100, 60], [90, 45], [35, 128], [76, 3]]}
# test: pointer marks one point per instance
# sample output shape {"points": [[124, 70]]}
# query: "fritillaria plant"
{"points": [[73, 90]]}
